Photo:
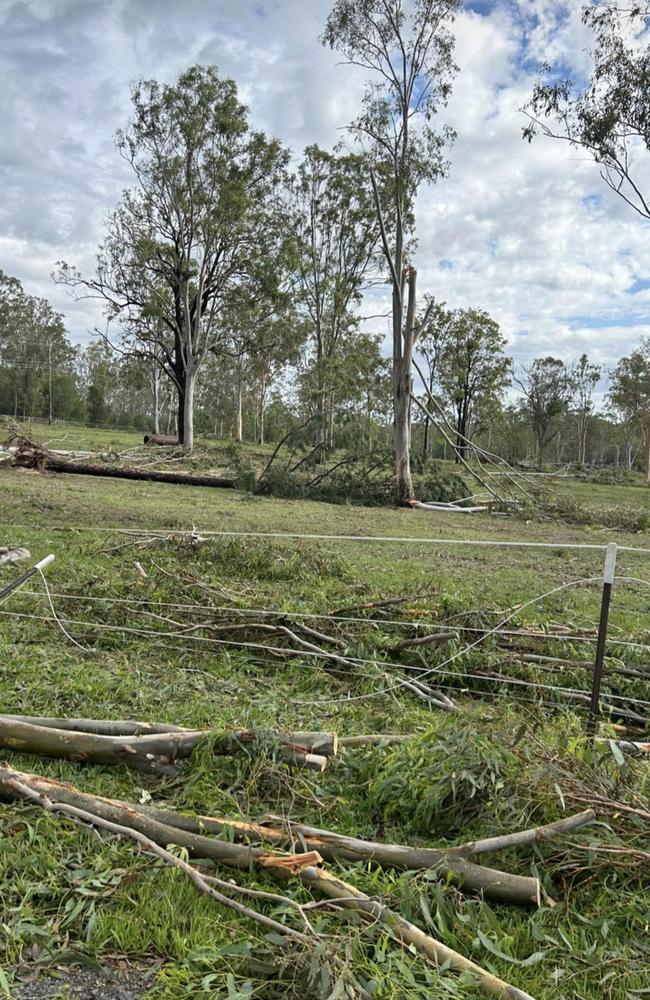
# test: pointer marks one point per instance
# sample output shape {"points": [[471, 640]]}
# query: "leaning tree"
{"points": [[407, 49], [203, 218]]}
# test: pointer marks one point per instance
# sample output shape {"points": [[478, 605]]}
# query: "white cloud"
{"points": [[527, 232]]}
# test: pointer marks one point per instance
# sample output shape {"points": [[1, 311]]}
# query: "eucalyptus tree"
{"points": [[408, 50], [584, 378], [37, 360], [630, 394], [473, 371], [337, 243], [546, 390], [203, 218], [609, 117]]}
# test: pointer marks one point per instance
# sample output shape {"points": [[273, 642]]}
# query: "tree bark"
{"points": [[402, 385], [647, 453], [494, 884], [261, 408], [53, 464], [124, 820], [146, 749], [186, 436], [155, 391]]}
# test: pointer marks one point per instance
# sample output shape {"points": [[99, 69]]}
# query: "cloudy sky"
{"points": [[527, 232]]}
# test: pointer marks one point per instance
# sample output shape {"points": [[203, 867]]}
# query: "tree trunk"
{"points": [[647, 453], [261, 409], [403, 340], [239, 425], [155, 386], [186, 411]]}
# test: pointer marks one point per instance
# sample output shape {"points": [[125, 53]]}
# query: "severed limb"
{"points": [[124, 821], [524, 837], [152, 749]]}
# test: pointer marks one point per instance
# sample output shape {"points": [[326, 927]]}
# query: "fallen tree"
{"points": [[164, 440], [153, 747], [43, 460], [451, 862], [129, 822]]}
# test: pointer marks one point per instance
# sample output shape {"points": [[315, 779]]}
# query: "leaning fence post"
{"points": [[608, 580]]}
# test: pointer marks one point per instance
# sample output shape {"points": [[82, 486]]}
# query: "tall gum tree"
{"points": [[408, 50], [473, 371], [203, 218], [630, 394], [338, 256]]}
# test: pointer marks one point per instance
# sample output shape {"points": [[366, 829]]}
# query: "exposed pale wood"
{"points": [[202, 883], [231, 855], [494, 884], [123, 820]]}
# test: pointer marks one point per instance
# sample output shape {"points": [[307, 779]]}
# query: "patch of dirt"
{"points": [[110, 982]]}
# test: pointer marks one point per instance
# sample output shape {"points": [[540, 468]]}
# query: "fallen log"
{"points": [[119, 818], [52, 464], [322, 743], [494, 884], [152, 751], [166, 440]]}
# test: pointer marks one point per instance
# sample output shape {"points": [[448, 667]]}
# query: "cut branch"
{"points": [[151, 750], [126, 821]]}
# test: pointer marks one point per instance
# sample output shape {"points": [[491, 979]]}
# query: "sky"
{"points": [[527, 232]]}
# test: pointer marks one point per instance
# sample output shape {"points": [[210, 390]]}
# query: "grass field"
{"points": [[497, 764]]}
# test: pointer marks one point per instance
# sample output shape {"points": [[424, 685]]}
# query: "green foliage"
{"points": [[443, 780], [38, 374], [367, 481], [68, 896]]}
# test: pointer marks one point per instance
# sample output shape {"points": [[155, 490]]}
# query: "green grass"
{"points": [[66, 895]]}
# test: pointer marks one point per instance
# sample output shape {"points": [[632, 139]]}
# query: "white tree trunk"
{"points": [[188, 412], [239, 434], [156, 399]]}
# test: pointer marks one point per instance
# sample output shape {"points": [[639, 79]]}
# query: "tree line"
{"points": [[544, 411], [232, 283]]}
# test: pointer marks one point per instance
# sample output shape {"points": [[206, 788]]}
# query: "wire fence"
{"points": [[447, 672]]}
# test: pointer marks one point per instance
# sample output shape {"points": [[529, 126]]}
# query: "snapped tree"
{"points": [[204, 217], [409, 52]]}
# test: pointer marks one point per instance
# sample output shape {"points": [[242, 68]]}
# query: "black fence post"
{"points": [[608, 580]]}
